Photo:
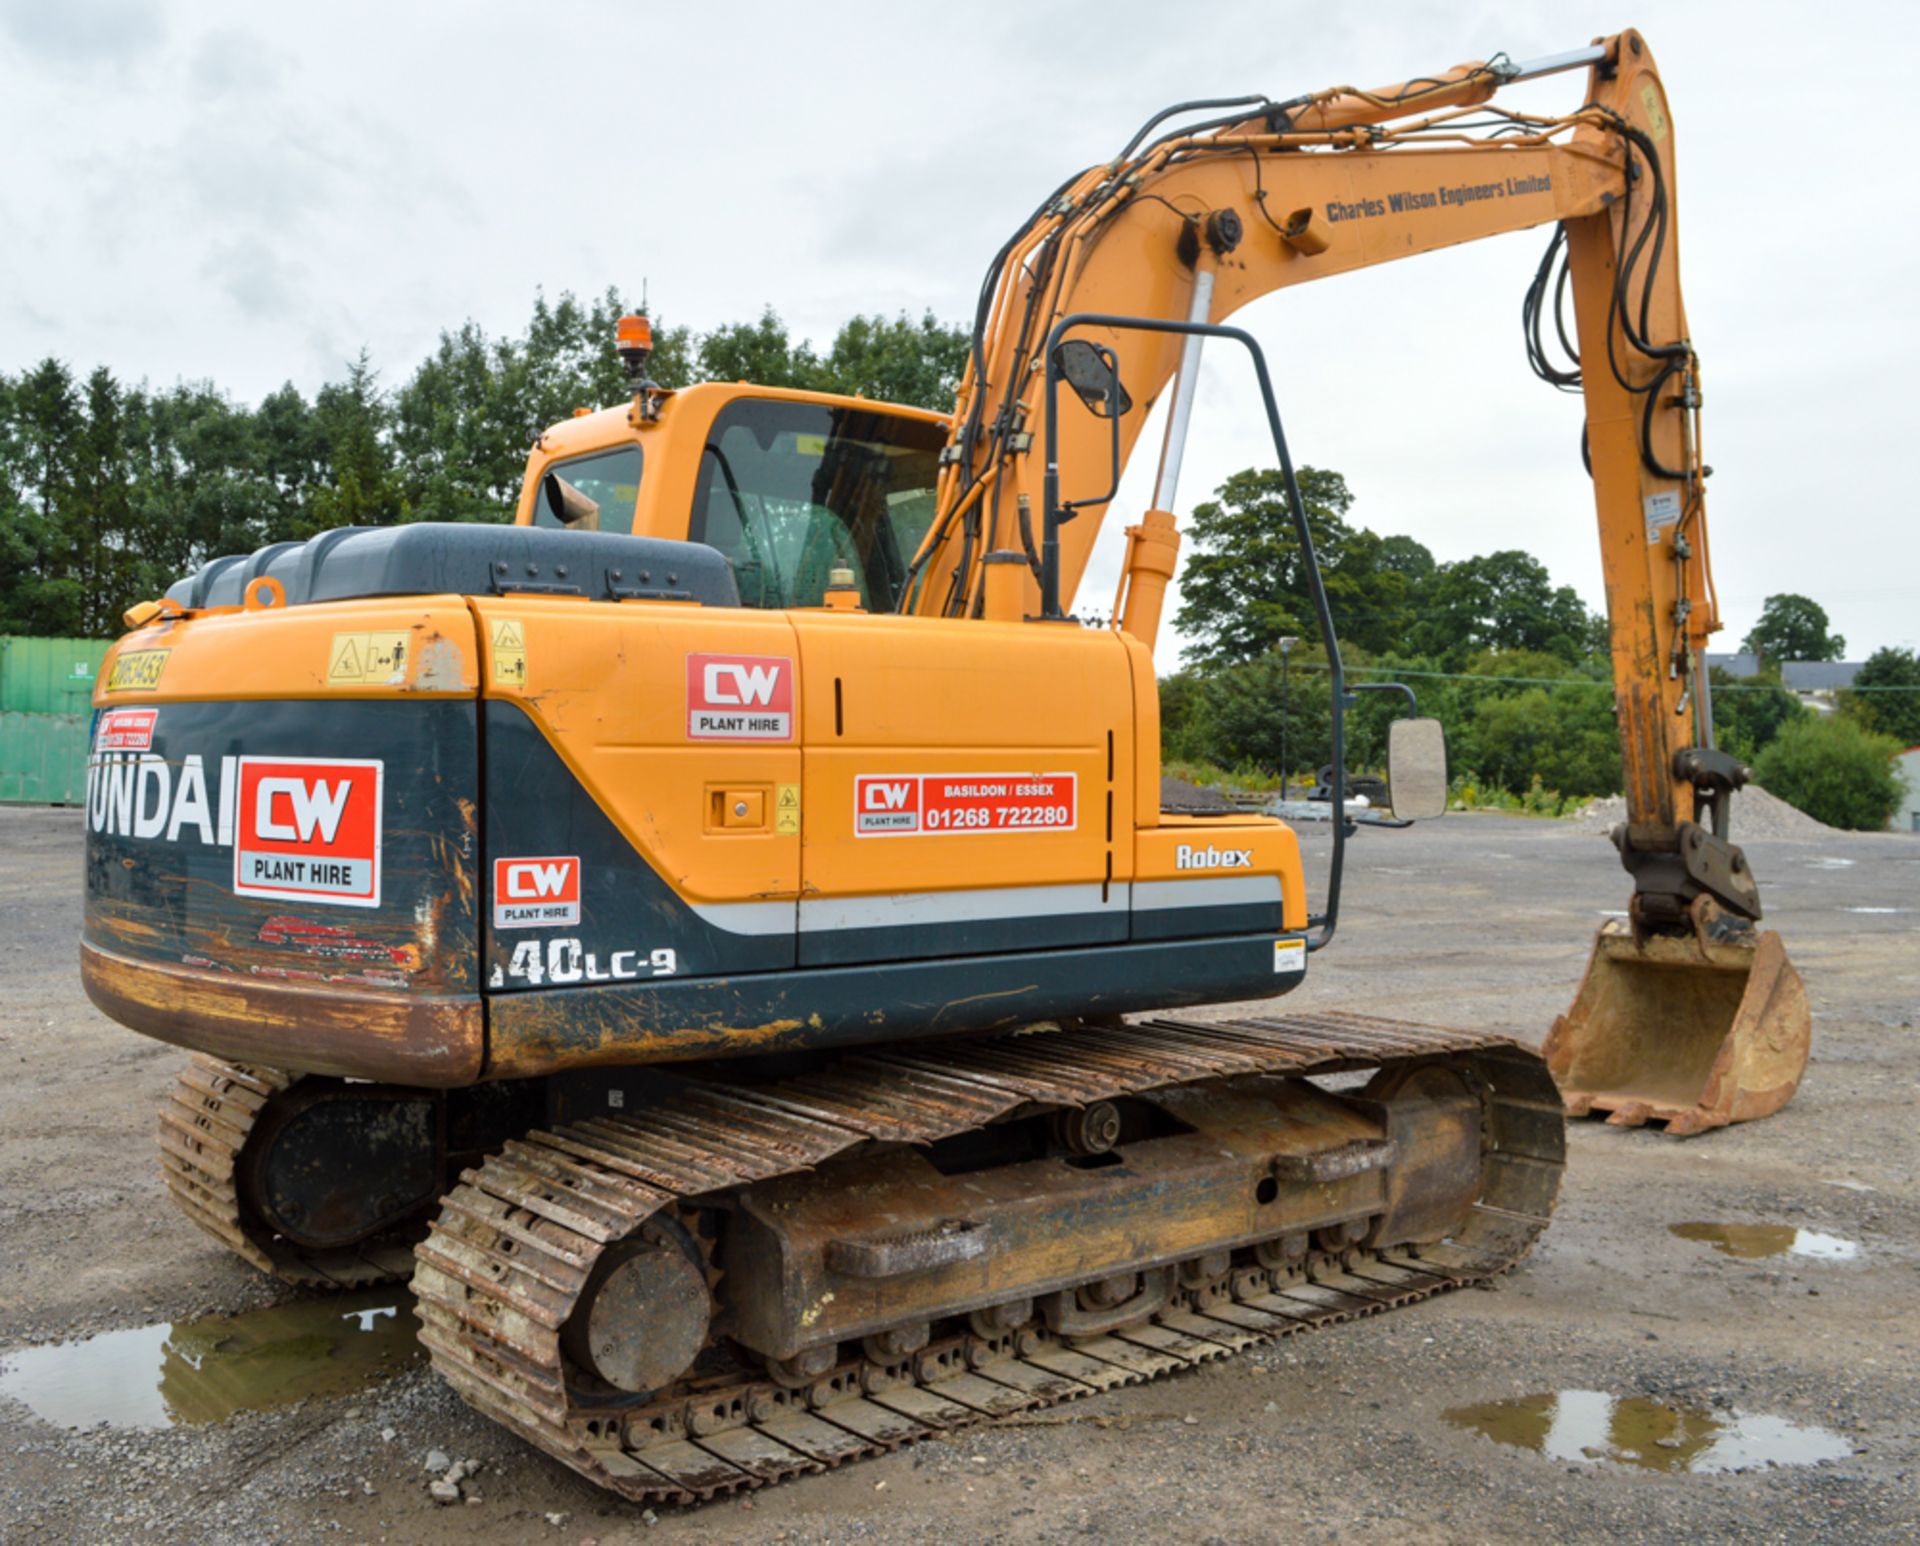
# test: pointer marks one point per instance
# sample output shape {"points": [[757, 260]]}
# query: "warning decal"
{"points": [[509, 642], [368, 659], [535, 893], [126, 730], [308, 830], [1663, 509], [1289, 956], [786, 809], [900, 804], [739, 698]]}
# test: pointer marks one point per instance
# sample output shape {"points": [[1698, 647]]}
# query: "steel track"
{"points": [[517, 1240], [209, 1115]]}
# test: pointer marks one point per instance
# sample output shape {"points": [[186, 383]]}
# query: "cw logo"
{"points": [[533, 880], [885, 796], [751, 685], [314, 807]]}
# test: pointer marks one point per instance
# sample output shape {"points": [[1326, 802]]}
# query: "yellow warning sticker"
{"points": [[138, 671], [1289, 955], [786, 809], [509, 642], [1656, 115], [368, 659]]}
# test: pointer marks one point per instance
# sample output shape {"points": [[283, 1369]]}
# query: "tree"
{"points": [[1500, 601], [1245, 585], [1239, 717], [1886, 695], [108, 559], [360, 486], [761, 352], [1793, 628], [41, 591], [897, 361], [465, 419], [1750, 712], [1566, 737], [1836, 772]]}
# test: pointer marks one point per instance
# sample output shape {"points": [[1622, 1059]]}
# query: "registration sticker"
{"points": [[906, 804], [137, 671]]}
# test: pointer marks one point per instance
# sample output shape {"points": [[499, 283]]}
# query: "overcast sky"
{"points": [[249, 194]]}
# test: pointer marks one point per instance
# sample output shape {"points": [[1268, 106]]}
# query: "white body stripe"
{"points": [[1206, 891], [821, 915], [827, 914], [747, 917]]}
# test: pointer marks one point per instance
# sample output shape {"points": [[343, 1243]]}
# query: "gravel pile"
{"points": [[1177, 795], [1756, 814]]}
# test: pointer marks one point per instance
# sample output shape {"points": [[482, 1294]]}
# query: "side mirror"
{"points": [[1417, 768], [569, 506], [1093, 373]]}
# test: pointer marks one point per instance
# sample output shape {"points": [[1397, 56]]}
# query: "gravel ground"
{"points": [[1334, 1437]]}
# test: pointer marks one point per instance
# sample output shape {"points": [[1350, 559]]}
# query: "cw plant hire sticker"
{"points": [[308, 830]]}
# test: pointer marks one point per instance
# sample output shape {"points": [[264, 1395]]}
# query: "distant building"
{"points": [[1808, 677], [1813, 682], [1907, 818]]}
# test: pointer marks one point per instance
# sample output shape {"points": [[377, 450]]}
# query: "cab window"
{"points": [[609, 479], [791, 491]]}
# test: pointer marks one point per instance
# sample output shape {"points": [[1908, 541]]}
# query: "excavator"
{"points": [[721, 936]]}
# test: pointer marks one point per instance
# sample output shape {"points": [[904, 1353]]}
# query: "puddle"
{"points": [[203, 1371], [1591, 1425], [1750, 1242]]}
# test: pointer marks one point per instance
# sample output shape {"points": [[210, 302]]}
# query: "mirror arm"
{"points": [[1413, 703]]}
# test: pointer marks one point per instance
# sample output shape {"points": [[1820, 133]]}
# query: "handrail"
{"points": [[1050, 549]]}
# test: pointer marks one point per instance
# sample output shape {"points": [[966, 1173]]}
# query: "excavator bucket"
{"points": [[1694, 1030]]}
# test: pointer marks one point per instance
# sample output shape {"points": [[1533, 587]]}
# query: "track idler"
{"points": [[321, 1181], [1695, 1028]]}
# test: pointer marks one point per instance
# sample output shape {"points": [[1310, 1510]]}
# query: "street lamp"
{"points": [[1287, 642]]}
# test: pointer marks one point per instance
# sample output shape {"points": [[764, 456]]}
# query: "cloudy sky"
{"points": [[250, 194]]}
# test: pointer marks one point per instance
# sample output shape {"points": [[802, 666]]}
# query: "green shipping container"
{"points": [[46, 690]]}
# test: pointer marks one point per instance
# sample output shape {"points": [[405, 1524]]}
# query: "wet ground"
{"points": [[1716, 1341]]}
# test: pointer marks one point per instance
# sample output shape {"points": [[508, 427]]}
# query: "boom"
{"points": [[1198, 221]]}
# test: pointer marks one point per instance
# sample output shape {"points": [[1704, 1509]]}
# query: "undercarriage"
{"points": [[746, 1278]]}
